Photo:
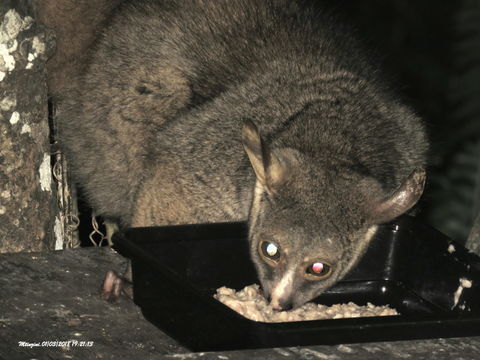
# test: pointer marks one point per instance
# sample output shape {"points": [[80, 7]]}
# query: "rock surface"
{"points": [[28, 206], [53, 297]]}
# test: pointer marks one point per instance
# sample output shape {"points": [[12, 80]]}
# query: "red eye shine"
{"points": [[317, 268]]}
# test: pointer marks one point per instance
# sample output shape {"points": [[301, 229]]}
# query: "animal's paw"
{"points": [[115, 286]]}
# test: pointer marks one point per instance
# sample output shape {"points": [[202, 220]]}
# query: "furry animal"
{"points": [[267, 111], [74, 23]]}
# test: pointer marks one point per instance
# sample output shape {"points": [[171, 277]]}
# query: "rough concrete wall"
{"points": [[28, 206]]}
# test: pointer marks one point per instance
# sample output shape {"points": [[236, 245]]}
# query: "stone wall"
{"points": [[29, 217]]}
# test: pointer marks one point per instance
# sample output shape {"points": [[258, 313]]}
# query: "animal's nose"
{"points": [[281, 304]]}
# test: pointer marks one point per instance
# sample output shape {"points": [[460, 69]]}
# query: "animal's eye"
{"points": [[318, 270], [270, 251]]}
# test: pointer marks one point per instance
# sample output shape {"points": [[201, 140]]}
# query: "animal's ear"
{"points": [[273, 168], [403, 199], [253, 145]]}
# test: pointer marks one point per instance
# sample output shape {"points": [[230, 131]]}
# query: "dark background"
{"points": [[432, 50]]}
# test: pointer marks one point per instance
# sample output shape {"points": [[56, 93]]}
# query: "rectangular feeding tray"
{"points": [[409, 266]]}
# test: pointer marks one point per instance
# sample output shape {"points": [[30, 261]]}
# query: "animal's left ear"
{"points": [[273, 168], [403, 199]]}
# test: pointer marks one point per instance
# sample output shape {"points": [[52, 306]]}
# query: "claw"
{"points": [[111, 228]]}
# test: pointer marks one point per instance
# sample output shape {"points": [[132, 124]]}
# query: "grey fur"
{"points": [[153, 130]]}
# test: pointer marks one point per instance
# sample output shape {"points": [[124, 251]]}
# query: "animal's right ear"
{"points": [[253, 144]]}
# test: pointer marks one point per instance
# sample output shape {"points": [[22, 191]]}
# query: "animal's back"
{"points": [[152, 128]]}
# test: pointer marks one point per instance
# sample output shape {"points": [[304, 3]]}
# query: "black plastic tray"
{"points": [[410, 266]]}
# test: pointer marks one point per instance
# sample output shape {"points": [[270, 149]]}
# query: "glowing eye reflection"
{"points": [[317, 268], [318, 271], [271, 249], [270, 252]]}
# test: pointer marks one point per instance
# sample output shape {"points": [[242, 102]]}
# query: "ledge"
{"points": [[53, 296]]}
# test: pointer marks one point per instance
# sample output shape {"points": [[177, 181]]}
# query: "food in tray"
{"points": [[250, 303]]}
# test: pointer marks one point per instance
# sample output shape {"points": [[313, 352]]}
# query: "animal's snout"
{"points": [[281, 296], [279, 304], [282, 304]]}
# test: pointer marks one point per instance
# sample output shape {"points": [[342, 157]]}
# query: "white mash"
{"points": [[250, 303]]}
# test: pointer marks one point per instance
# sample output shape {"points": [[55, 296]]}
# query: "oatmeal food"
{"points": [[251, 304]]}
